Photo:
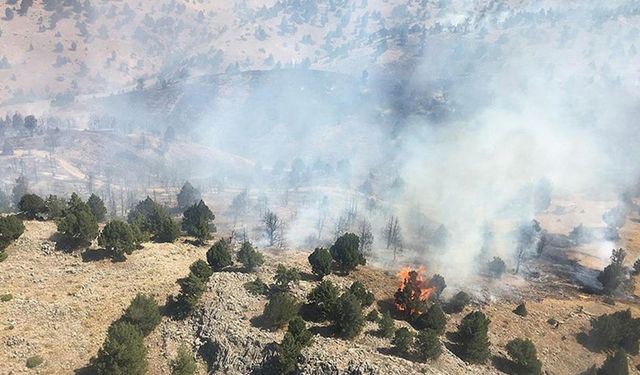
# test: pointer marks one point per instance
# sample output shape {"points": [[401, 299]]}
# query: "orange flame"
{"points": [[404, 275]]}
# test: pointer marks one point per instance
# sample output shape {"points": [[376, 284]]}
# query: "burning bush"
{"points": [[413, 293]]}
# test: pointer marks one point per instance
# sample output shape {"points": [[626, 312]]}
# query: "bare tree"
{"points": [[323, 210], [366, 237], [273, 227], [393, 236]]}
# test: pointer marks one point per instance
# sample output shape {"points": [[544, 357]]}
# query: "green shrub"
{"points": [[6, 297], [402, 341], [196, 220], [473, 337], [280, 309], [346, 252], [323, 298], [365, 297], [191, 289], [117, 238], [78, 222], [320, 261], [201, 270], [521, 310], [615, 331], [616, 364], [96, 205], [56, 207], [34, 361], [169, 230], [184, 363], [153, 219], [434, 319], [427, 345], [285, 276], [524, 355], [386, 326], [458, 302], [373, 316], [11, 228], [32, 206], [257, 287], [219, 256], [143, 312], [288, 352], [123, 352], [249, 257], [347, 317]]}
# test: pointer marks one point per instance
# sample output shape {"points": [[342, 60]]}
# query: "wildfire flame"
{"points": [[418, 283]]}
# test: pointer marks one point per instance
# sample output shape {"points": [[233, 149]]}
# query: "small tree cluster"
{"points": [[11, 227], [296, 338], [79, 223], [153, 219], [196, 221], [473, 337]]}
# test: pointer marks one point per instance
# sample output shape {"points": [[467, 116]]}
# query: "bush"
{"points": [[32, 206], [117, 238], [613, 274], [288, 352], [123, 352], [187, 196], [56, 207], [35, 361], [280, 309], [320, 261], [521, 310], [191, 289], [402, 341], [323, 298], [346, 252], [201, 270], [169, 230], [458, 302], [386, 326], [433, 319], [616, 364], [437, 282], [219, 256], [428, 345], [6, 297], [196, 220], [185, 363], [96, 205], [249, 257], [11, 228], [615, 331], [143, 313], [348, 319], [496, 267], [78, 223], [524, 355], [285, 276], [365, 297], [257, 287], [473, 337]]}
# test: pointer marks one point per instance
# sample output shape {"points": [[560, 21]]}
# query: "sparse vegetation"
{"points": [[257, 287], [273, 227], [521, 310], [613, 274], [496, 267], [35, 361]]}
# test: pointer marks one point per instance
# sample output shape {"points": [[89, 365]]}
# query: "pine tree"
{"points": [[218, 256], [473, 337], [320, 261], [123, 352], [249, 257]]}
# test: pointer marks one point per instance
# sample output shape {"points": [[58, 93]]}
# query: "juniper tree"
{"points": [[143, 313], [320, 261], [473, 337], [123, 352], [363, 295], [249, 257], [427, 345], [323, 298], [184, 363], [117, 238], [32, 206], [402, 341], [78, 223], [345, 252], [201, 270], [285, 276], [280, 309], [386, 326], [434, 319], [524, 355], [347, 317], [219, 256], [196, 220], [96, 205], [187, 196]]}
